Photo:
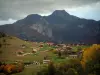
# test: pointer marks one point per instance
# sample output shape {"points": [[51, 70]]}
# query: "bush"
{"points": [[72, 71], [73, 67], [55, 51], [0, 45], [51, 69], [1, 52], [2, 34], [11, 68]]}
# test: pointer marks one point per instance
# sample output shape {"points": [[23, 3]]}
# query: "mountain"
{"points": [[60, 26]]}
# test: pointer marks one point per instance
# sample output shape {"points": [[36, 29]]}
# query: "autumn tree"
{"points": [[91, 59], [9, 68]]}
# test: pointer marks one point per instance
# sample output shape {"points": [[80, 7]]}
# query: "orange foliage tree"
{"points": [[11, 68]]}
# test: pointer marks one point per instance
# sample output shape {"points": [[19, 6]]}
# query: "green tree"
{"points": [[71, 71], [59, 53], [51, 69], [0, 45], [2, 34], [76, 64]]}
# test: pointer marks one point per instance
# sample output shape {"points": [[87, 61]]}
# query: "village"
{"points": [[61, 50], [24, 57]]}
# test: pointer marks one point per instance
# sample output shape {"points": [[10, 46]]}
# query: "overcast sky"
{"points": [[12, 10]]}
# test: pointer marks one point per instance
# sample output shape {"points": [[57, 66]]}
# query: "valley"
{"points": [[35, 55]]}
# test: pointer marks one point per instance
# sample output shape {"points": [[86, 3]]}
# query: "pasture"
{"points": [[12, 45]]}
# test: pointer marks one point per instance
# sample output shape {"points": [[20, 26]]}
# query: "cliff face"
{"points": [[43, 28], [59, 27]]}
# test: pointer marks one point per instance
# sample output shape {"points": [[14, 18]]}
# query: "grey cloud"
{"points": [[17, 9], [9, 21]]}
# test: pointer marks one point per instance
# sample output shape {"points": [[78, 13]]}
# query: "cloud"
{"points": [[90, 11], [9, 21], [18, 9]]}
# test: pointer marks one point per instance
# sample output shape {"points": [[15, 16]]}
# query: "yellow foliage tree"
{"points": [[91, 58]]}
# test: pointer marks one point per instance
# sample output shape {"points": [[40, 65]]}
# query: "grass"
{"points": [[9, 53], [75, 48], [30, 71], [47, 47]]}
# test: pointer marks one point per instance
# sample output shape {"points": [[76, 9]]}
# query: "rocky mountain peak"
{"points": [[32, 16], [60, 26], [62, 13]]}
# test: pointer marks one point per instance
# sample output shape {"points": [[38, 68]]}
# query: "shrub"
{"points": [[72, 71], [55, 51], [2, 34]]}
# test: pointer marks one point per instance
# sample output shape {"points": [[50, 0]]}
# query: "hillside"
{"points": [[13, 49], [33, 54], [58, 27]]}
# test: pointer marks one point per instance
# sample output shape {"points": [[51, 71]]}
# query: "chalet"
{"points": [[23, 46], [68, 47], [64, 46], [41, 45], [20, 52], [17, 61], [56, 46], [34, 51], [62, 50], [73, 56], [80, 53], [50, 43], [46, 61]]}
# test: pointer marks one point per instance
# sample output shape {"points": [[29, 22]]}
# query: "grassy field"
{"points": [[10, 45], [76, 48], [13, 44]]}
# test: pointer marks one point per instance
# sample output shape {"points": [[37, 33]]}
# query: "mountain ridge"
{"points": [[60, 26]]}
